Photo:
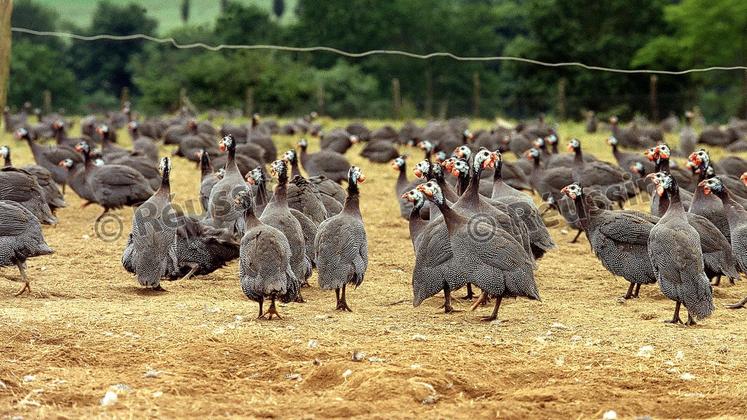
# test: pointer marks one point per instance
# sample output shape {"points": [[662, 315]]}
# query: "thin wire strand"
{"points": [[219, 47]]}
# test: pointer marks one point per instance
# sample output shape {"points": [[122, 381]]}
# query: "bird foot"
{"points": [[690, 322], [450, 310], [488, 318], [674, 321], [26, 288], [468, 296], [342, 306], [270, 313], [300, 299]]}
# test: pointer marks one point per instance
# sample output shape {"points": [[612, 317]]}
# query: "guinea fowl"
{"points": [[201, 249], [278, 215], [151, 246], [21, 238], [676, 256], [618, 239], [627, 160], [379, 151], [330, 192], [142, 143], [264, 261], [244, 163], [50, 157], [325, 162], [257, 135], [718, 259], [303, 195], [337, 140], [402, 185], [76, 178], [114, 186], [208, 179], [730, 165], [660, 155], [222, 211], [548, 181], [460, 169], [512, 174], [61, 137], [688, 138], [737, 218], [258, 179], [522, 205], [20, 186], [43, 177], [615, 183], [341, 247], [416, 223], [707, 205], [485, 255], [147, 168]]}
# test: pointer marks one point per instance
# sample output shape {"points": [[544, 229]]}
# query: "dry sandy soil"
{"points": [[197, 350]]}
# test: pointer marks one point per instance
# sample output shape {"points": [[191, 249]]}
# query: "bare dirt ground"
{"points": [[197, 350]]}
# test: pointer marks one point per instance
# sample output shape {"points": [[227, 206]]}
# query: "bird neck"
{"points": [[453, 220], [7, 160], [581, 211], [250, 219], [281, 190], [463, 182], [206, 168], [352, 201], [295, 170]]}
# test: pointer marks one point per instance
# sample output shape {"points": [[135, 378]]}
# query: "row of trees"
{"points": [[615, 33]]}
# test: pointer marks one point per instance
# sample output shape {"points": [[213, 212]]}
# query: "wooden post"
{"points": [[396, 98], [6, 9], [652, 91], [320, 99], [428, 93], [476, 94], [248, 101], [124, 97], [47, 102], [443, 109], [562, 83]]}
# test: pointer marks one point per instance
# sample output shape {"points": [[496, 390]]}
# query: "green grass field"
{"points": [[167, 12]]}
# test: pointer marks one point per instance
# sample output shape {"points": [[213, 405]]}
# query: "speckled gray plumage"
{"points": [[331, 193], [222, 211], [306, 198], [19, 186], [21, 236]]}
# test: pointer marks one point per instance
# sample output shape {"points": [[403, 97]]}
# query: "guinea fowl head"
{"points": [[58, 125], [440, 156], [426, 146], [220, 173], [467, 136], [463, 152], [398, 163], [290, 156], [83, 147], [532, 154], [422, 169], [133, 125], [244, 200], [103, 130], [227, 143], [192, 124], [355, 175], [432, 191], [484, 159], [663, 182], [21, 133], [663, 151], [712, 185], [448, 164], [638, 169], [552, 139], [539, 143], [303, 144], [256, 176], [459, 168], [612, 141], [165, 166], [354, 139], [279, 169], [574, 145], [66, 163], [613, 120], [415, 197], [573, 191], [700, 160], [652, 153], [743, 178]]}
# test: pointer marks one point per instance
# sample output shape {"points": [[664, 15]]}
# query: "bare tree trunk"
{"points": [[396, 98], [6, 9], [248, 102], [561, 98]]}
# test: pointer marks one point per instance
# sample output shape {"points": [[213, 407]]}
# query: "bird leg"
{"points": [[272, 310], [106, 210], [676, 318], [690, 320], [194, 267], [483, 297], [739, 305], [718, 281], [577, 235], [261, 312], [342, 304], [629, 294], [637, 290], [299, 298], [470, 294], [63, 189], [26, 284], [447, 302], [494, 315]]}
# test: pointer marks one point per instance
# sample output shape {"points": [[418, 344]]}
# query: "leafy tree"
{"points": [[27, 14], [35, 67], [705, 33], [278, 7], [103, 65], [244, 24]]}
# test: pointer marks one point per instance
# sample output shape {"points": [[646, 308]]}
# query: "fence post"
{"points": [[562, 83], [443, 109], [248, 101], [654, 107], [476, 94], [47, 102], [124, 97], [6, 9], [396, 98]]}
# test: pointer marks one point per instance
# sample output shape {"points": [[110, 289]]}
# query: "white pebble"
{"points": [[219, 331], [293, 377], [157, 394], [347, 374], [609, 415], [559, 361], [415, 366], [375, 359], [313, 344], [110, 398], [687, 376], [29, 378], [152, 373], [419, 337], [558, 326], [646, 351], [358, 356], [576, 338], [3, 386], [680, 355]]}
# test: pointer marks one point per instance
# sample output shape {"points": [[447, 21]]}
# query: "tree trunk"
{"points": [[6, 9], [476, 94], [396, 98], [561, 98]]}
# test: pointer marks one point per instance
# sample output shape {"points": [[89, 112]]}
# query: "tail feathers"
{"points": [[698, 297]]}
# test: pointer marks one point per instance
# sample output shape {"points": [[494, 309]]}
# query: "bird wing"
{"points": [[625, 228]]}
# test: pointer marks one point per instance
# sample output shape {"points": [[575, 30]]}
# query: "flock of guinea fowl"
{"points": [[467, 230]]}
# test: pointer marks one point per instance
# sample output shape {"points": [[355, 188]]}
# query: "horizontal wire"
{"points": [[219, 47]]}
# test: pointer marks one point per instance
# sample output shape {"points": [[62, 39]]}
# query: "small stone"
{"points": [[680, 355], [419, 337], [29, 378], [563, 231], [219, 330], [110, 398], [645, 351], [108, 334], [86, 237], [313, 344], [576, 338], [415, 366], [293, 377], [347, 374], [321, 316], [152, 373], [558, 326], [687, 376], [317, 362], [3, 386], [157, 394], [559, 361], [609, 415], [375, 359], [358, 356]]}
